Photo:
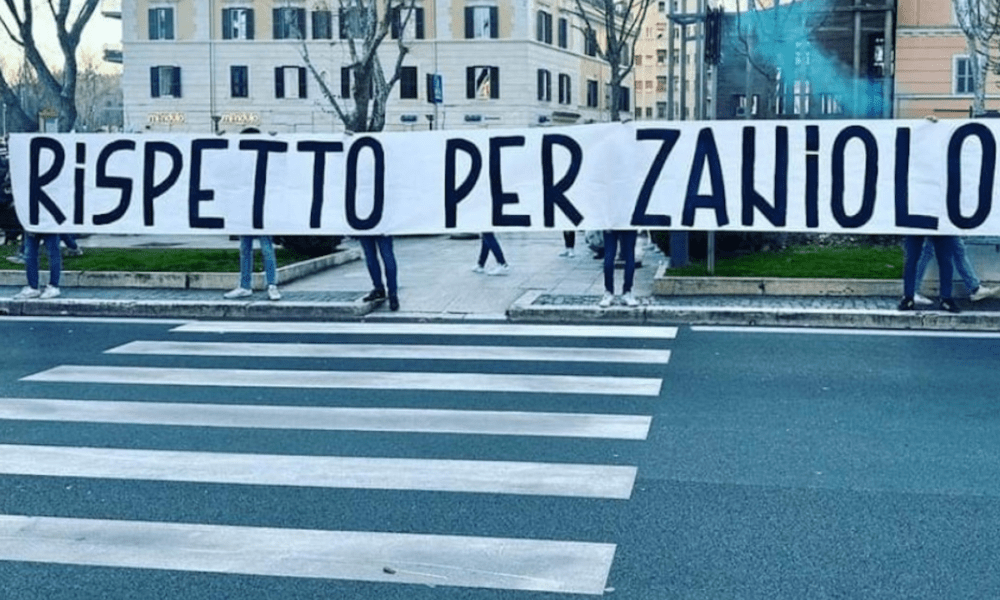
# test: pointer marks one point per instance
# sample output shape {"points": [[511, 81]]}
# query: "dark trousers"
{"points": [[613, 238], [374, 245], [943, 251], [490, 244]]}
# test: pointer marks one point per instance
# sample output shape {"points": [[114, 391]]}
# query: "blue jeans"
{"points": [[490, 244], [246, 260], [375, 245], [960, 260], [913, 246], [31, 241], [613, 238]]}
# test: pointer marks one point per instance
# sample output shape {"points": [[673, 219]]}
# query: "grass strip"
{"points": [[823, 262], [156, 260]]}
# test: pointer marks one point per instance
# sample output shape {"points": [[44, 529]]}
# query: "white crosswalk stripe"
{"points": [[563, 566], [467, 422]]}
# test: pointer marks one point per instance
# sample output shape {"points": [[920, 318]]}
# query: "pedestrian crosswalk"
{"points": [[499, 369]]}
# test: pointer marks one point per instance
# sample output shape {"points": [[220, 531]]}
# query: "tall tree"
{"points": [[365, 25], [980, 22], [620, 21], [59, 80]]}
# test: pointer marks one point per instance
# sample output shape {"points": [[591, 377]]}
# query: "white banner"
{"points": [[872, 177]]}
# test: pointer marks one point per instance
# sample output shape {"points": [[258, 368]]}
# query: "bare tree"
{"points": [[980, 22], [99, 97], [620, 21], [59, 80], [366, 25]]}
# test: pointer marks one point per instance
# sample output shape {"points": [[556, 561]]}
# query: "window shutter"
{"points": [[249, 23], [538, 26], [175, 83], [418, 15], [345, 82], [300, 20], [154, 82], [276, 24], [302, 82], [170, 24], [342, 23], [279, 82], [396, 23], [469, 24], [227, 23], [494, 20], [152, 24], [541, 84], [494, 82]]}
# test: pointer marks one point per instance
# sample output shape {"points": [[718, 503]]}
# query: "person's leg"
{"points": [[30, 246], [569, 239], [246, 262], [610, 249], [628, 241], [371, 261], [962, 264], [942, 248], [389, 259], [70, 241], [912, 246], [55, 260], [492, 245], [926, 254], [484, 251], [270, 260]]}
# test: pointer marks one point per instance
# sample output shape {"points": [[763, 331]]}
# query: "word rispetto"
{"points": [[878, 177]]}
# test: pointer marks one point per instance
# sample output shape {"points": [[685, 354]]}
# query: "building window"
{"points": [[237, 23], [828, 104], [661, 83], [624, 95], [543, 31], [290, 82], [353, 22], [876, 68], [482, 83], [661, 110], [661, 56], [565, 89], [591, 93], [414, 23], [590, 42], [563, 32], [649, 112], [165, 81], [408, 83], [289, 23], [740, 102], [964, 81], [239, 81], [161, 23], [801, 93], [322, 22], [481, 22], [544, 85], [638, 60]]}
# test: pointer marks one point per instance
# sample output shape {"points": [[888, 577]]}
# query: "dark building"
{"points": [[813, 59]]}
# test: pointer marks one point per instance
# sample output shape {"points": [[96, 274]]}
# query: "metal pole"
{"points": [[888, 66], [857, 57], [670, 61]]}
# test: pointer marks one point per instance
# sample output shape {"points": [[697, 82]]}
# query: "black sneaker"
{"points": [[393, 303], [949, 305], [374, 295], [907, 304]]}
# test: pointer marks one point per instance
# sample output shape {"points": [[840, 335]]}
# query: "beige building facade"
{"points": [[222, 65], [932, 68]]}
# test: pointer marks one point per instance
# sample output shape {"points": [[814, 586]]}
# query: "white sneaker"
{"points": [[51, 291], [478, 269], [982, 292], [27, 293], [606, 300], [924, 300], [273, 293], [239, 292], [629, 299], [499, 270], [567, 253]]}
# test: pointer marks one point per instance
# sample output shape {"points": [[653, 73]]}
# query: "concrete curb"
{"points": [[184, 281], [187, 309]]}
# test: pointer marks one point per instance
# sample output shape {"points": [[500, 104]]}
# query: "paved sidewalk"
{"points": [[437, 283]]}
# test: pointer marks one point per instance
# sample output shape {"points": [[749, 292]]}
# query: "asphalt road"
{"points": [[177, 460]]}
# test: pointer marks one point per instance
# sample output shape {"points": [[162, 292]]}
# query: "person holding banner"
{"points": [[912, 247], [490, 244], [246, 268], [613, 239], [373, 246], [31, 242], [977, 291]]}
